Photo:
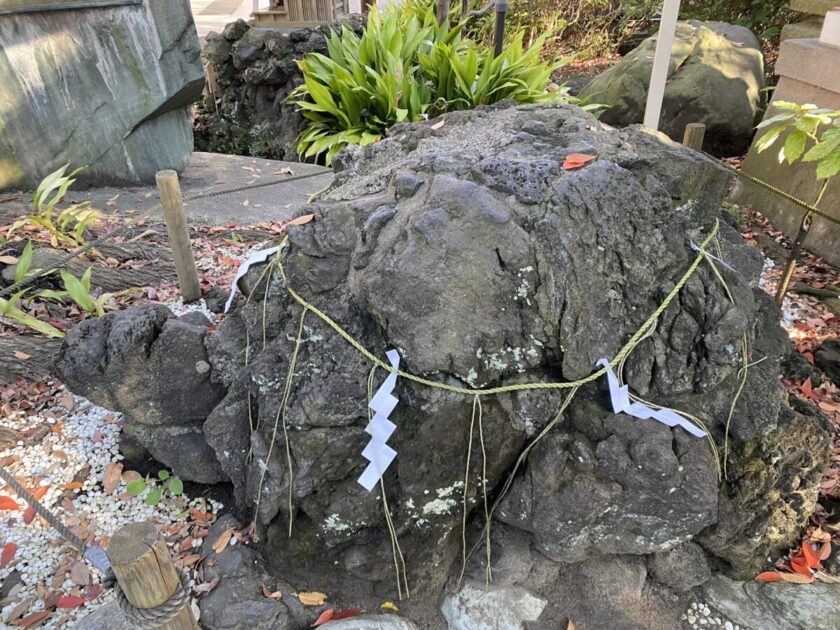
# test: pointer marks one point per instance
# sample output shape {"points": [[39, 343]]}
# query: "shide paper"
{"points": [[255, 258], [620, 396], [380, 428]]}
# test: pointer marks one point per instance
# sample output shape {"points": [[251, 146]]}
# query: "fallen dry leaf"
{"points": [[70, 601], [206, 587], [440, 124], [223, 540], [797, 578], [30, 621], [8, 260], [7, 554], [22, 356], [769, 576], [577, 160], [79, 574], [324, 617], [312, 598], [8, 503], [112, 476], [267, 592]]}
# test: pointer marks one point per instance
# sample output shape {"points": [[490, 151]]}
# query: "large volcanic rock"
{"points": [[469, 249]]}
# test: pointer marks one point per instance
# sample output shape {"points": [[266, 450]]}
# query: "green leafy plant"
{"points": [[405, 67], [811, 135], [9, 309], [165, 482], [65, 226], [79, 290], [23, 268]]}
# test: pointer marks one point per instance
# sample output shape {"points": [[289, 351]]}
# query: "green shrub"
{"points": [[407, 68]]}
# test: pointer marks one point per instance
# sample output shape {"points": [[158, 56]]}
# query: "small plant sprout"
{"points": [[66, 227], [811, 135], [158, 487]]}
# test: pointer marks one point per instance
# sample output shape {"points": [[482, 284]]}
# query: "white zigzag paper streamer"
{"points": [[380, 428], [620, 396], [257, 257]]}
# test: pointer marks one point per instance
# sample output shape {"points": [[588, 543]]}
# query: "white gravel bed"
{"points": [[700, 617], [88, 436]]}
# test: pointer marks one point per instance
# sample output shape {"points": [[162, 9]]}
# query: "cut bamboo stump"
{"points": [[179, 235], [694, 135], [144, 570]]}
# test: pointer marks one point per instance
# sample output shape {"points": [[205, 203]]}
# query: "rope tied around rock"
{"points": [[618, 361]]}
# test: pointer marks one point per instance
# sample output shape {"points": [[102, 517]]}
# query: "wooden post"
{"points": [[694, 135], [179, 236], [144, 570]]}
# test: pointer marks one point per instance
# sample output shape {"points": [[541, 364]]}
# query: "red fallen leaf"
{"points": [[800, 566], [812, 558], [806, 389], [8, 553], [34, 619], [769, 576], [324, 617], [809, 357], [8, 503], [28, 515], [577, 160], [796, 578], [39, 492], [346, 614], [70, 601]]}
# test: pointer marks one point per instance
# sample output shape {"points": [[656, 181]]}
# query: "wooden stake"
{"points": [[694, 135], [144, 570], [179, 236]]}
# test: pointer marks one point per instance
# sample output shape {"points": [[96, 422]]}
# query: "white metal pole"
{"points": [[661, 61]]}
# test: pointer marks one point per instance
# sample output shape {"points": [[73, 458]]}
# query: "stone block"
{"points": [[107, 88], [810, 73]]}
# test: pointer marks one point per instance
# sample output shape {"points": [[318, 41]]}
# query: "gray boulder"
{"points": [[779, 605], [681, 568], [473, 252], [154, 368], [237, 602], [480, 607], [716, 77], [124, 115]]}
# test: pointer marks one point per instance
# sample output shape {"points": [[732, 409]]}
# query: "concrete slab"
{"points": [[208, 172]]}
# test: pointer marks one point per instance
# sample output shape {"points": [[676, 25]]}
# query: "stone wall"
{"points": [[107, 88], [254, 71]]}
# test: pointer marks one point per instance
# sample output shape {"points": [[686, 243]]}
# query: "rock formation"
{"points": [[106, 87], [470, 249], [716, 77], [255, 70]]}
